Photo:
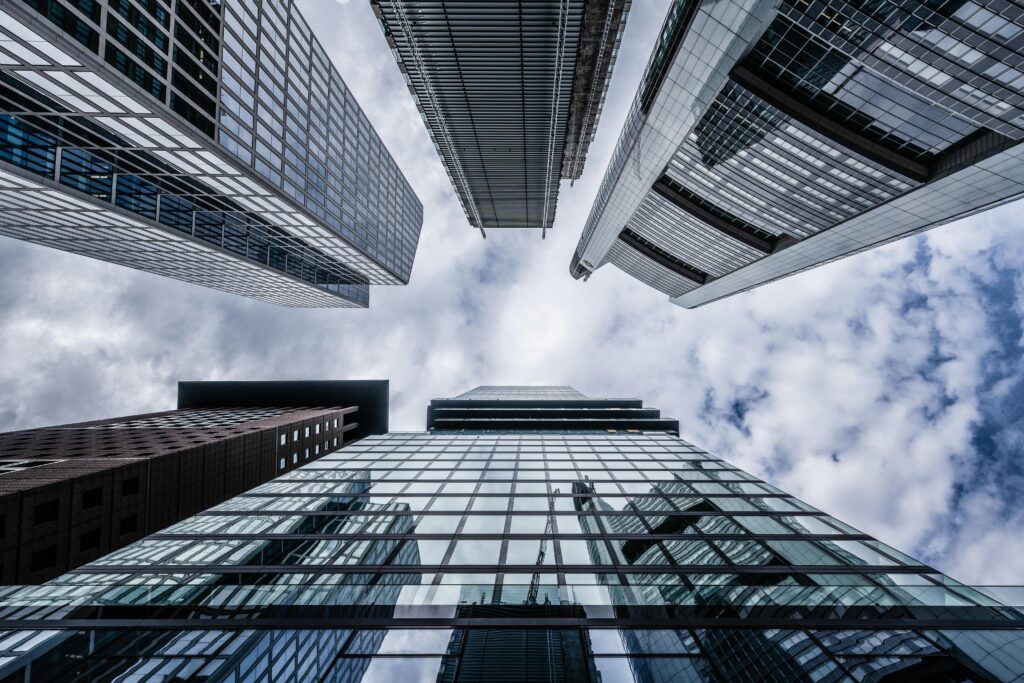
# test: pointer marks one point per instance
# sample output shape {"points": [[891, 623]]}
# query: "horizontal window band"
{"points": [[207, 569], [719, 219], [512, 536], [835, 131], [662, 257], [520, 616]]}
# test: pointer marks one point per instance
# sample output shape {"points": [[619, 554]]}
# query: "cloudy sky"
{"points": [[885, 389]]}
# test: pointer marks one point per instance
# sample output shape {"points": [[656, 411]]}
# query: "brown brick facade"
{"points": [[73, 493]]}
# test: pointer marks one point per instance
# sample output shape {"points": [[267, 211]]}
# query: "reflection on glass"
{"points": [[661, 550], [438, 524], [476, 552], [484, 524]]}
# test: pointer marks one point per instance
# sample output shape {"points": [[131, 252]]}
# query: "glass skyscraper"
{"points": [[212, 142], [769, 138], [511, 92], [530, 534]]}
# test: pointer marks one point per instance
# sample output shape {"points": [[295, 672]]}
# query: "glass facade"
{"points": [[834, 126], [180, 135], [608, 554], [72, 493], [511, 93]]}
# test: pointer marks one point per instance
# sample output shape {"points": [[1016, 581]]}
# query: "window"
{"points": [[317, 430], [307, 432], [284, 463], [92, 498], [305, 455], [129, 524], [129, 487], [46, 512], [44, 559], [295, 435], [295, 457], [284, 439], [90, 540]]}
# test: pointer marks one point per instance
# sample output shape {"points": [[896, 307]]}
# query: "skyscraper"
{"points": [[72, 493], [212, 142], [769, 138], [510, 91], [587, 542]]}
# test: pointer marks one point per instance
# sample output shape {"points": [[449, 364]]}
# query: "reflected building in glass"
{"points": [[768, 138], [531, 533], [511, 93], [209, 141], [75, 492]]}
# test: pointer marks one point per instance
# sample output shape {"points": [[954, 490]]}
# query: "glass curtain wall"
{"points": [[494, 556]]}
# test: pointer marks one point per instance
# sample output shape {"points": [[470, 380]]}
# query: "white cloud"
{"points": [[858, 386]]}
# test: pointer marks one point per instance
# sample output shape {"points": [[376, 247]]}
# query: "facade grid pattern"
{"points": [[285, 190], [510, 92], [811, 123], [502, 555], [72, 493]]}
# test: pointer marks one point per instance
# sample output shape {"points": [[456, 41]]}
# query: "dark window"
{"points": [[69, 22], [208, 14], [176, 212], [44, 559], [136, 195], [198, 50], [92, 498], [26, 148], [191, 114], [210, 227], [90, 540], [144, 25], [152, 6], [120, 60], [129, 487], [190, 90], [46, 512], [136, 46], [129, 524], [86, 172]]}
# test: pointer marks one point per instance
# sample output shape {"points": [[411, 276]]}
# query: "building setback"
{"points": [[511, 92], [604, 548], [769, 138], [72, 493], [211, 142]]}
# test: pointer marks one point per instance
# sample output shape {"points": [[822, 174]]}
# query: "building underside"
{"points": [[511, 92], [806, 132]]}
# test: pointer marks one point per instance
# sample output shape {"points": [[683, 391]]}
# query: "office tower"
{"points": [[531, 533], [767, 138], [511, 93], [211, 142], [72, 493]]}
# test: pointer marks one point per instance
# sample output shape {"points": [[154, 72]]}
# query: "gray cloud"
{"points": [[881, 388]]}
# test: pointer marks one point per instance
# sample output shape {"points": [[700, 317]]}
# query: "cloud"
{"points": [[882, 388]]}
